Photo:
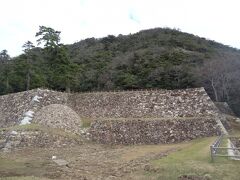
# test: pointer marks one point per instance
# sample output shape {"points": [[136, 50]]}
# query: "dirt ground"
{"points": [[87, 161]]}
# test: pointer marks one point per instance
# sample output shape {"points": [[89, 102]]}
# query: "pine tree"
{"points": [[27, 47], [61, 70], [5, 70]]}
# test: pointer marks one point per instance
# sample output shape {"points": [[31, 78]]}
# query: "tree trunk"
{"points": [[214, 90], [28, 80], [7, 83], [67, 89]]}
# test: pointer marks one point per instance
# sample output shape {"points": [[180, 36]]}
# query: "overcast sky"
{"points": [[217, 20]]}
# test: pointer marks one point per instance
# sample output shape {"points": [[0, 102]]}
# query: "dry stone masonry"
{"points": [[235, 141], [152, 131], [20, 108], [127, 117], [39, 138], [139, 104]]}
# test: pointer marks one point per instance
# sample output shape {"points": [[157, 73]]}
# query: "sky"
{"points": [[218, 20]]}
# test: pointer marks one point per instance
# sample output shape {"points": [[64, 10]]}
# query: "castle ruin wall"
{"points": [[152, 131], [139, 104]]}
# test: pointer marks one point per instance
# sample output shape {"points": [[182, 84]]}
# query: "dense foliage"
{"points": [[155, 58]]}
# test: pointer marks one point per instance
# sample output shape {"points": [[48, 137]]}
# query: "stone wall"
{"points": [[13, 107], [149, 117], [35, 138], [125, 104], [139, 104], [235, 141], [152, 131], [177, 105]]}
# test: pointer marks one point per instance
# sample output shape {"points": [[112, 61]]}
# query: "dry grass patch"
{"points": [[194, 159], [138, 151], [86, 122]]}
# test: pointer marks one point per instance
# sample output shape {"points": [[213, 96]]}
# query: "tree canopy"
{"points": [[156, 58]]}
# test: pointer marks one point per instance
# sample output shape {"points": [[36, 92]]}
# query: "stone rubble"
{"points": [[13, 107], [152, 131], [235, 141], [139, 104], [36, 138], [59, 116], [136, 104], [181, 114]]}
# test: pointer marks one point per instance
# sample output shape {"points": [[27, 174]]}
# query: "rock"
{"points": [[147, 167], [7, 147], [60, 162], [54, 157]]}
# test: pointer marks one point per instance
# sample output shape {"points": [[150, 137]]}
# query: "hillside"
{"points": [[156, 58]]}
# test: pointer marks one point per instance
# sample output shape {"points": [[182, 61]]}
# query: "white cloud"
{"points": [[79, 19]]}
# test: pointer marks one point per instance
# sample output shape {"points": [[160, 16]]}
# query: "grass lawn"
{"points": [[188, 158], [23, 178], [37, 127], [194, 159]]}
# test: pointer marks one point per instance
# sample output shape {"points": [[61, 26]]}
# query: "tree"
{"points": [[61, 69], [48, 36], [27, 47], [4, 57], [219, 75], [5, 69]]}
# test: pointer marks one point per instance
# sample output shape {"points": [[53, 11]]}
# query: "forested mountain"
{"points": [[155, 58]]}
